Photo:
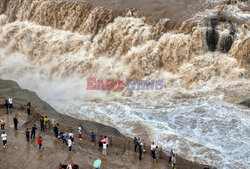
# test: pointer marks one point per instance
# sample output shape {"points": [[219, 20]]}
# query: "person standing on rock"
{"points": [[106, 137], [157, 152], [27, 133], [6, 106], [153, 147], [39, 142], [141, 144], [104, 149], [56, 130], [28, 107], [11, 103], [42, 124], [173, 161], [4, 138], [46, 122], [92, 137], [140, 152], [80, 133], [15, 122], [135, 142], [70, 143], [2, 124], [33, 132], [170, 156], [100, 143]]}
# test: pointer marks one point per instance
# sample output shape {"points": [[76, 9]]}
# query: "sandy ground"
{"points": [[20, 154]]}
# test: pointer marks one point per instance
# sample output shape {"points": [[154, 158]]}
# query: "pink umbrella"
{"points": [[104, 140]]}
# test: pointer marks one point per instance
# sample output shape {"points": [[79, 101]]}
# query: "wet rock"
{"points": [[212, 38], [226, 43], [246, 102]]}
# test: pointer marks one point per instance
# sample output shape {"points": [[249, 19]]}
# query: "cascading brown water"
{"points": [[52, 46]]}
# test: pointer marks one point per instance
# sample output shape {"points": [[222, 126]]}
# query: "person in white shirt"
{"points": [[10, 102], [70, 144], [153, 147], [4, 138], [69, 166], [104, 147]]}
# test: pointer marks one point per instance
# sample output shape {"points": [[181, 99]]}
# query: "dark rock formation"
{"points": [[212, 38], [226, 43], [246, 102]]}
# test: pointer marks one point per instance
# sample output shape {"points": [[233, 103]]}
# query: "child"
{"points": [[39, 142], [80, 133]]}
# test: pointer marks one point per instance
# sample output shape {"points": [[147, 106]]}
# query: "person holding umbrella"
{"points": [[97, 163]]}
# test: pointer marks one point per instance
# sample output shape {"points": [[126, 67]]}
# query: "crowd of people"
{"points": [[67, 138], [138, 145]]}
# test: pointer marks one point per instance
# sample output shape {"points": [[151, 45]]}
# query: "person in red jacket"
{"points": [[39, 142]]}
